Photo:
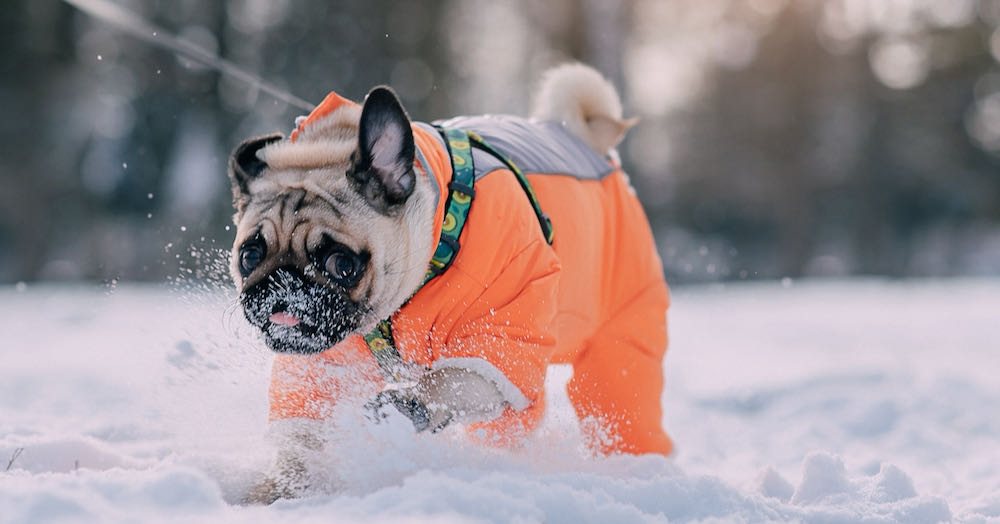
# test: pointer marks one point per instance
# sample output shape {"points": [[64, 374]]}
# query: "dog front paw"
{"points": [[266, 492], [409, 404], [441, 397]]}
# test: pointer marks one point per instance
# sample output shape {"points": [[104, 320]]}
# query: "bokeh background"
{"points": [[778, 138]]}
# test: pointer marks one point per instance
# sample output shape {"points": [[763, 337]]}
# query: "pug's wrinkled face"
{"points": [[333, 230]]}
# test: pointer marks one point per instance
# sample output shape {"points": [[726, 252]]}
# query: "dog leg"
{"points": [[443, 396], [618, 379], [298, 446], [459, 395]]}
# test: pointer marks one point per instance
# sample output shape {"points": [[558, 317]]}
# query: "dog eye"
{"points": [[345, 267], [251, 255]]}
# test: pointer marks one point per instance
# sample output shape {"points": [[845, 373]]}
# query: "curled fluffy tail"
{"points": [[585, 103]]}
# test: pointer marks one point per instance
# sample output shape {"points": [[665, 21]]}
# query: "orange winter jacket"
{"points": [[510, 303]]}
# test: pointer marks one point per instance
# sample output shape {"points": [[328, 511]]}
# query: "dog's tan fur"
{"points": [[585, 102], [306, 194]]}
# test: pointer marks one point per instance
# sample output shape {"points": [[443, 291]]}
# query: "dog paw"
{"points": [[409, 404], [266, 492]]}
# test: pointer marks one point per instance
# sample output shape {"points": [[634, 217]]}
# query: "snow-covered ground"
{"points": [[847, 401]]}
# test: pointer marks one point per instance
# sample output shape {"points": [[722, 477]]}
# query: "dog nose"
{"points": [[288, 291], [279, 307]]}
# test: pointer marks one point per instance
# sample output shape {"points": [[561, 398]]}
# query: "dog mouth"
{"points": [[282, 315], [297, 315], [283, 318], [284, 322], [285, 332]]}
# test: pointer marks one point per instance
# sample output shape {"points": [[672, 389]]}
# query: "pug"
{"points": [[340, 230]]}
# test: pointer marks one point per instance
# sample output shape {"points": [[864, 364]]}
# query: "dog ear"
{"points": [[244, 166], [383, 163]]}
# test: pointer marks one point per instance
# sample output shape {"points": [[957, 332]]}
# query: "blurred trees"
{"points": [[849, 146], [778, 138]]}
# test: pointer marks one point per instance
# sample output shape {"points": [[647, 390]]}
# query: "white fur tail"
{"points": [[585, 103]]}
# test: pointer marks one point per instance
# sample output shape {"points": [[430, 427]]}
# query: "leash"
{"points": [[460, 195]]}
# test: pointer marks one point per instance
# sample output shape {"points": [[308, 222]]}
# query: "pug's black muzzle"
{"points": [[325, 314]]}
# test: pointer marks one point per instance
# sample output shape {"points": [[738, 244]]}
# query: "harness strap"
{"points": [[461, 191], [543, 220], [383, 348]]}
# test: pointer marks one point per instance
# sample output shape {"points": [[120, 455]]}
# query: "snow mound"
{"points": [[827, 402]]}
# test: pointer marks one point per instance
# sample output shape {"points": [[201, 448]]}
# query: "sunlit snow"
{"points": [[843, 401]]}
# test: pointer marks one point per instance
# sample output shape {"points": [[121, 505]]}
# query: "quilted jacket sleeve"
{"points": [[507, 336], [310, 387]]}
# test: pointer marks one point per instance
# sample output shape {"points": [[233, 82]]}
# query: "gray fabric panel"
{"points": [[535, 146]]}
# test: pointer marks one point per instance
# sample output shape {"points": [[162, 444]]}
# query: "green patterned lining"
{"points": [[460, 195]]}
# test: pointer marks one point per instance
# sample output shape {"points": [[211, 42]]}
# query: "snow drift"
{"points": [[849, 401]]}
